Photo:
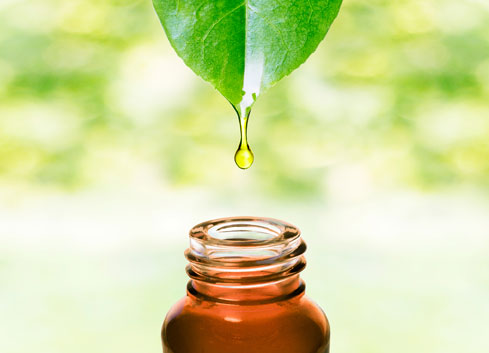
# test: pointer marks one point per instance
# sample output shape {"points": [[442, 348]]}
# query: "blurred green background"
{"points": [[111, 149]]}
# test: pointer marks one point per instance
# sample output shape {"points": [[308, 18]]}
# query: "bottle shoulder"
{"points": [[291, 325]]}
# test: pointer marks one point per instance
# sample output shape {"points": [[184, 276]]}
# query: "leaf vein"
{"points": [[219, 21], [310, 11], [272, 26]]}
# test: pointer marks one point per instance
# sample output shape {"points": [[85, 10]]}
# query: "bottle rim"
{"points": [[223, 231]]}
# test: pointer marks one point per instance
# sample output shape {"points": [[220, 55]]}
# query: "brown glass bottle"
{"points": [[245, 294]]}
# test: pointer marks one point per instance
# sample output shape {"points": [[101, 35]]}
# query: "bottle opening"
{"points": [[244, 250], [251, 232], [243, 231]]}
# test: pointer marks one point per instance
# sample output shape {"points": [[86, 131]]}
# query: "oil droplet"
{"points": [[243, 156]]}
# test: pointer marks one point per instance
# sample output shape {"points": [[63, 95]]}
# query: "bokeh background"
{"points": [[111, 149]]}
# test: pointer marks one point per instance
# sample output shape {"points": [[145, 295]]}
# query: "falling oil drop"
{"points": [[243, 156]]}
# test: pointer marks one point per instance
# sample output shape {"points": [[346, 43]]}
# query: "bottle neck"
{"points": [[251, 294], [245, 260]]}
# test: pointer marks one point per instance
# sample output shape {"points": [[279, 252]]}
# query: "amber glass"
{"points": [[245, 294]]}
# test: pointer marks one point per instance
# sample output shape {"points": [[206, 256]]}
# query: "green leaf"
{"points": [[244, 47]]}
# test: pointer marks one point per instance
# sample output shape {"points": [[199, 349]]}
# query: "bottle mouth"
{"points": [[245, 250]]}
